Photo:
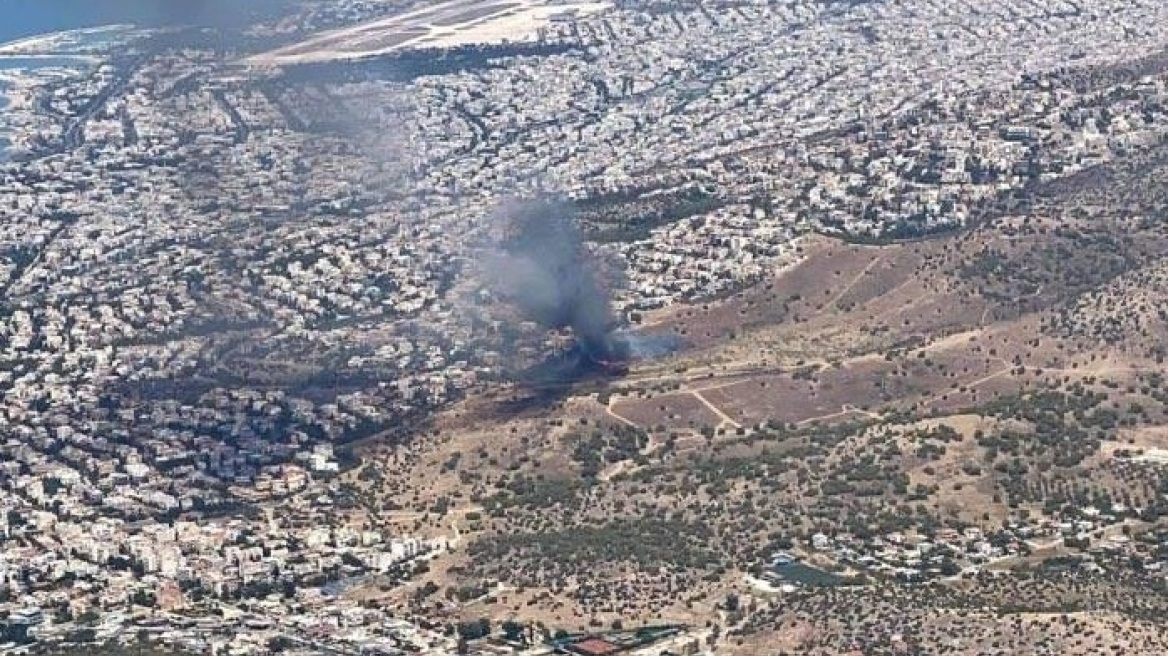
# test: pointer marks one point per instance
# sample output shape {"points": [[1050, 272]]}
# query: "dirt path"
{"points": [[853, 282], [612, 413], [714, 409], [843, 412]]}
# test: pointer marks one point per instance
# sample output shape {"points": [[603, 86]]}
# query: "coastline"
{"points": [[34, 62], [29, 62], [76, 40]]}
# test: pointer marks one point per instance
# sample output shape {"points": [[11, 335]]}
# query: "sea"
{"points": [[28, 18]]}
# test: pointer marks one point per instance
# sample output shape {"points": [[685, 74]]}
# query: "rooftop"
{"points": [[594, 647]]}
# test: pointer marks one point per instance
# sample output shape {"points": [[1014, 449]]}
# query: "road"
{"points": [[242, 129], [75, 134]]}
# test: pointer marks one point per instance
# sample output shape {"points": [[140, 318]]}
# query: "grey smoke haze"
{"points": [[544, 269]]}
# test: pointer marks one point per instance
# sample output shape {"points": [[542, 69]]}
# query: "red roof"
{"points": [[595, 647]]}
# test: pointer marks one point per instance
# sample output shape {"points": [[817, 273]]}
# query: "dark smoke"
{"points": [[544, 269]]}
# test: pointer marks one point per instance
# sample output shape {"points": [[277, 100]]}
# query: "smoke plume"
{"points": [[544, 269]]}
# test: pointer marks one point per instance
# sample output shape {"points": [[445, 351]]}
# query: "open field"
{"points": [[966, 381]]}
